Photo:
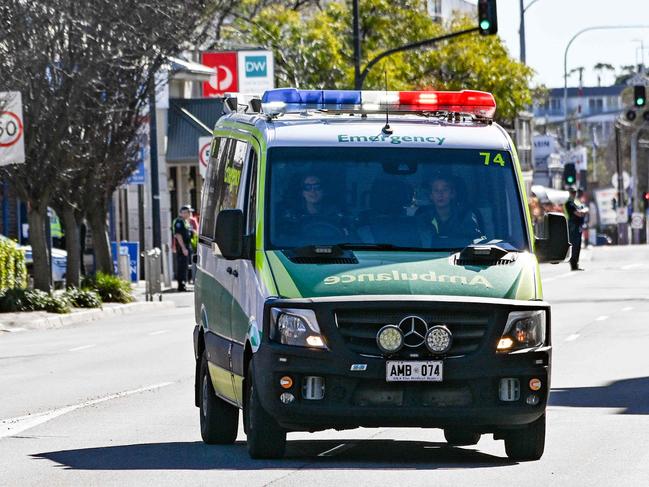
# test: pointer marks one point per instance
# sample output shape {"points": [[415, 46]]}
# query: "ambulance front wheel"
{"points": [[527, 443], [219, 420], [266, 439]]}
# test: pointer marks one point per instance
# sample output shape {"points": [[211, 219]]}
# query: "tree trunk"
{"points": [[99, 229], [37, 218], [72, 246]]}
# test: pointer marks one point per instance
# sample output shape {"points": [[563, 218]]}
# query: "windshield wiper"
{"points": [[374, 246]]}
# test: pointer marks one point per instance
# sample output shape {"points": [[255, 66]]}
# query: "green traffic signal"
{"points": [[487, 17], [639, 95], [570, 180]]}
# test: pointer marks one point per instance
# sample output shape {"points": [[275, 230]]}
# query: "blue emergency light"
{"points": [[292, 100]]}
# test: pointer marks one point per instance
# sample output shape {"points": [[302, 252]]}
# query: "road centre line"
{"points": [[560, 276], [632, 266], [601, 318], [627, 308], [572, 337], [13, 426], [158, 332], [336, 450], [83, 347]]}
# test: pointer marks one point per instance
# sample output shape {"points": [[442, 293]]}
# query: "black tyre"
{"points": [[461, 437], [528, 443], [219, 419], [266, 439]]}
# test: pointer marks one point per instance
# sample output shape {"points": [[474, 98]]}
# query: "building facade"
{"points": [[591, 112]]}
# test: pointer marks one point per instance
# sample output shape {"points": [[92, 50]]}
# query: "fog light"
{"points": [[439, 339], [389, 339], [532, 399], [286, 382], [535, 384], [510, 390], [287, 397]]}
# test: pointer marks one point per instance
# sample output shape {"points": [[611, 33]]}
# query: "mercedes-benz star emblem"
{"points": [[414, 331]]}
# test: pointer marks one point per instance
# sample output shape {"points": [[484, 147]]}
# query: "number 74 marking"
{"points": [[498, 158]]}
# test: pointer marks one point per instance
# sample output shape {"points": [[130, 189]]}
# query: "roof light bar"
{"points": [[290, 100]]}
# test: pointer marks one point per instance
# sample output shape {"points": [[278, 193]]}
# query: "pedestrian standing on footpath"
{"points": [[576, 214], [183, 233]]}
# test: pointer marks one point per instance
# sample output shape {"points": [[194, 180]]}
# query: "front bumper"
{"points": [[468, 396]]}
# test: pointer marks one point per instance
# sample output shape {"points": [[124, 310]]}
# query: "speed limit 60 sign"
{"points": [[12, 134]]}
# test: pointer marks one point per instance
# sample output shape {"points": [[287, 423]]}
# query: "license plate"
{"points": [[408, 370]]}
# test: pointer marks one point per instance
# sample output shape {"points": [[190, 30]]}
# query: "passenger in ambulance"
{"points": [[448, 216]]}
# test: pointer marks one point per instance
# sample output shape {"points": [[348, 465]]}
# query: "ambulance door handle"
{"points": [[232, 271]]}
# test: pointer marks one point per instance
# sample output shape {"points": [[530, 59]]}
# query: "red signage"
{"points": [[11, 129], [225, 73]]}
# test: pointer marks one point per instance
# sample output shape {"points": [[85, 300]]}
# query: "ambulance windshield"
{"points": [[406, 198]]}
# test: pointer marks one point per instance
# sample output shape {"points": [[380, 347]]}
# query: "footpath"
{"points": [[38, 320]]}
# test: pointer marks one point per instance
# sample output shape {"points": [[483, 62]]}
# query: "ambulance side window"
{"points": [[208, 216], [251, 194], [227, 182]]}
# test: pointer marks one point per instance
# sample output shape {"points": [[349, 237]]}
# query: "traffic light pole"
{"points": [[621, 226], [409, 47]]}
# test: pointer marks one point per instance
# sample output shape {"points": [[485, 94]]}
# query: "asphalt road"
{"points": [[111, 403]]}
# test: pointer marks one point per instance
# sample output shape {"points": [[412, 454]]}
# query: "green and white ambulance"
{"points": [[367, 259]]}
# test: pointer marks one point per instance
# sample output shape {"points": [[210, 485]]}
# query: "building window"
{"points": [[435, 9], [556, 105], [595, 105]]}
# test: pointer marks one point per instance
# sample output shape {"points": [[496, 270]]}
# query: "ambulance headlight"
{"points": [[298, 327], [524, 329]]}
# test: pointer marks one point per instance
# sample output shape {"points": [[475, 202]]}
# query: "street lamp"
{"points": [[521, 29], [565, 67]]}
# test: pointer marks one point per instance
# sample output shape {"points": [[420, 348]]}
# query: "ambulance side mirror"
{"points": [[553, 245], [228, 233]]}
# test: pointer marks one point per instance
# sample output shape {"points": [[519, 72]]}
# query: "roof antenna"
{"points": [[387, 130]]}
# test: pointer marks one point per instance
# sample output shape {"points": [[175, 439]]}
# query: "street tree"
{"points": [[84, 71], [313, 49]]}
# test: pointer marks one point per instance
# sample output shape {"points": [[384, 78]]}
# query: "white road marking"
{"points": [[601, 318], [336, 449], [560, 276], [572, 337], [631, 266], [159, 332], [83, 347], [628, 308], [13, 426]]}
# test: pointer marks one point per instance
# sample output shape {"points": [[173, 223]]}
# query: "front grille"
{"points": [[359, 327]]}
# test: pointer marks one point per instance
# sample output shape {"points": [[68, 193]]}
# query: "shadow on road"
{"points": [[631, 395], [357, 454]]}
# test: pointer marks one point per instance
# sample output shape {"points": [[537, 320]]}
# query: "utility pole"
{"points": [[521, 29], [357, 45], [155, 177]]}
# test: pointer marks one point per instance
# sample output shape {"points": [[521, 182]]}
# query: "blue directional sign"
{"points": [[138, 176], [132, 249]]}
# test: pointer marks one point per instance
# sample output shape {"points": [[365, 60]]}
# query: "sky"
{"points": [[549, 25]]}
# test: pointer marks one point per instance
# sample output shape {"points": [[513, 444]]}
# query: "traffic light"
{"points": [[645, 199], [639, 95], [569, 174], [487, 17]]}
